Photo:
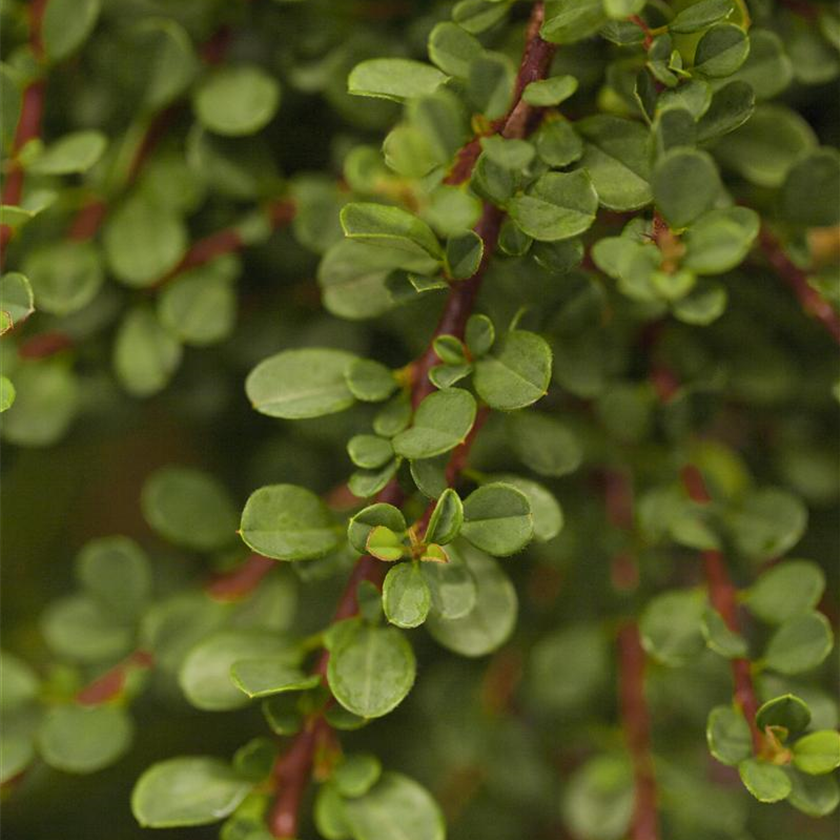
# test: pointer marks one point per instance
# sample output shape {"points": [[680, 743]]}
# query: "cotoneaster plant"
{"points": [[535, 308]]}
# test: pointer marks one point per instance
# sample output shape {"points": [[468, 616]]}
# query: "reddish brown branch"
{"points": [[43, 345], [292, 782], [522, 117], [724, 598], [111, 683], [810, 300], [291, 775], [242, 580], [636, 723]]}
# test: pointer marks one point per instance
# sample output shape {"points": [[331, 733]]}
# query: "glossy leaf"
{"points": [[405, 596], [498, 519], [441, 422], [559, 205], [187, 791], [371, 670], [288, 523], [189, 507], [516, 374], [297, 384]]}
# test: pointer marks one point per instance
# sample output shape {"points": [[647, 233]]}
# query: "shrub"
{"points": [[535, 309]]}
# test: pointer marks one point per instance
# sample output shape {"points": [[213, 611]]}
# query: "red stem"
{"points": [[111, 683], [636, 722], [292, 775], [724, 598], [243, 580], [810, 300]]}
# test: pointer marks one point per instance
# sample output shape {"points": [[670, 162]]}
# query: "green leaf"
{"points": [[328, 811], [544, 444], [558, 205], [728, 735], [719, 240], [384, 544], [146, 355], [77, 628], [237, 100], [66, 25], [200, 306], [685, 184], [478, 15], [816, 796], [76, 152], [490, 84], [732, 105], [288, 523], [166, 59], [671, 627], [83, 739], [703, 305], [546, 510], [394, 78], [394, 227], [800, 644], [765, 781], [567, 21], [452, 587], [720, 638], [492, 617], [190, 508], [498, 519], [297, 384], [616, 157], [598, 801], [429, 474], [116, 572], [453, 49], [264, 677], [397, 807], [367, 483], [7, 394], [786, 590], [811, 191], [581, 653], [17, 302], [191, 790], [369, 451], [721, 50], [47, 398], [788, 711], [557, 143], [767, 70], [449, 349], [17, 750], [767, 145], [282, 714], [371, 670], [406, 598], [818, 752], [463, 255], [360, 525], [143, 241], [205, 675], [770, 522], [18, 683], [352, 278], [442, 421], [65, 276], [479, 335], [516, 374], [356, 774], [447, 518], [700, 16], [545, 93], [370, 381]]}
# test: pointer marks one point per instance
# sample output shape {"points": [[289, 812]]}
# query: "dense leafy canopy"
{"points": [[345, 342]]}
